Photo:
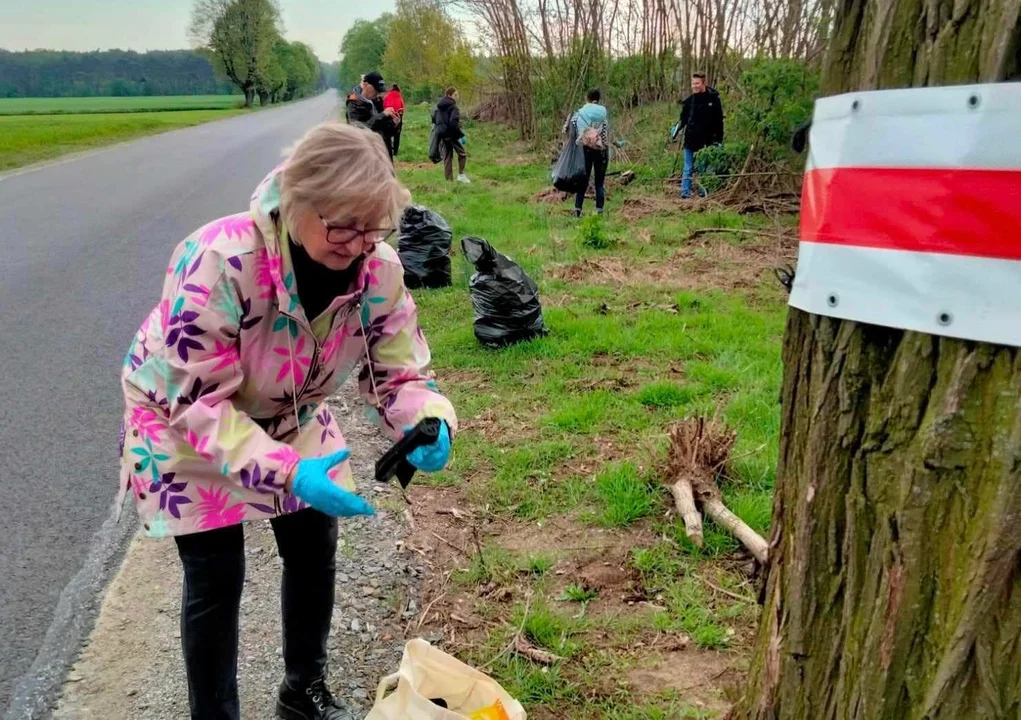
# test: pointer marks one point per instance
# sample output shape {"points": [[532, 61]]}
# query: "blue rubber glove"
{"points": [[432, 458], [463, 140], [313, 485]]}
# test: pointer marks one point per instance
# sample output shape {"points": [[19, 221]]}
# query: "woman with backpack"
{"points": [[592, 124]]}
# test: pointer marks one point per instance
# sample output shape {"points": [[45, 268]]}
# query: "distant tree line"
{"points": [[52, 73]]}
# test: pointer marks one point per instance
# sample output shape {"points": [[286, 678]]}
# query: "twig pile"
{"points": [[698, 452]]}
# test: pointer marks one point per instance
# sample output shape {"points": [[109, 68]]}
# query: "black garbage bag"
{"points": [[434, 145], [424, 248], [569, 171], [505, 299]]}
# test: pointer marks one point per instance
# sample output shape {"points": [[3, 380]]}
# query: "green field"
{"points": [[76, 105], [26, 139], [563, 439]]}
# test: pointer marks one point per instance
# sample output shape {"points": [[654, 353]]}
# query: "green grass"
{"points": [[79, 105], [576, 421], [26, 139]]}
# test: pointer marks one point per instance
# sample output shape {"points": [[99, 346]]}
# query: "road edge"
{"points": [[38, 689], [76, 155]]}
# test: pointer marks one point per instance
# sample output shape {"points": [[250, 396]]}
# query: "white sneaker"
{"points": [[462, 178]]}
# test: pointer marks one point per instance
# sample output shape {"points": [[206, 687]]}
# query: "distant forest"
{"points": [[55, 73]]}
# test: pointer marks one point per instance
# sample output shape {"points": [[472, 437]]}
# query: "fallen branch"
{"points": [[526, 649], [685, 500], [726, 592], [450, 544]]}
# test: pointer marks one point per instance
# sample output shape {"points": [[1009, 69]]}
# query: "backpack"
{"points": [[591, 138]]}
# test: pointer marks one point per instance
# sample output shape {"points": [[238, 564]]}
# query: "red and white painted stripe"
{"points": [[911, 211]]}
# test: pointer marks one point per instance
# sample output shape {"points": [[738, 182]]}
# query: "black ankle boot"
{"points": [[314, 702]]}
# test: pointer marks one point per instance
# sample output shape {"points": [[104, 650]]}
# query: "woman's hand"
{"points": [[432, 458], [312, 484]]}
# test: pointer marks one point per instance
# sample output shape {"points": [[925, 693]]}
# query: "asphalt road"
{"points": [[85, 243]]}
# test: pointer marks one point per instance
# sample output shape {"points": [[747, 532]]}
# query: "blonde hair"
{"points": [[343, 173]]}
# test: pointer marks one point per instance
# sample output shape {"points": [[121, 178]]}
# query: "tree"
{"points": [[240, 35], [426, 50], [362, 49], [894, 582]]}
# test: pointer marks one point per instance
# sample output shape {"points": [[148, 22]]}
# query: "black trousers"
{"points": [[395, 140], [214, 574], [594, 160]]}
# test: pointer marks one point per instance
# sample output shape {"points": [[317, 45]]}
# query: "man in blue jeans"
{"points": [[702, 121]]}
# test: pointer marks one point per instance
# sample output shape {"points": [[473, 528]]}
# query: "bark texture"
{"points": [[894, 584], [894, 587], [914, 43]]}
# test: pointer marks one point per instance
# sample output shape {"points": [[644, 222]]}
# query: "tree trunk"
{"points": [[894, 584], [249, 96]]}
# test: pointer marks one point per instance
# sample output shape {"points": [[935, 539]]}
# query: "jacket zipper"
{"points": [[316, 347]]}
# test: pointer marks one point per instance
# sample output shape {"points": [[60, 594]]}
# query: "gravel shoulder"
{"points": [[131, 666]]}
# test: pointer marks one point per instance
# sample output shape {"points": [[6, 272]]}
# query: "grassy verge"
{"points": [[561, 525], [78, 105], [26, 139]]}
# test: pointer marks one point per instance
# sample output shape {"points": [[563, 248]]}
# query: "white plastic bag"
{"points": [[427, 672]]}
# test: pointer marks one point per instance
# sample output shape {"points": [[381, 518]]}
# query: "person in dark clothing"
{"points": [[447, 118], [365, 107], [702, 122], [592, 125]]}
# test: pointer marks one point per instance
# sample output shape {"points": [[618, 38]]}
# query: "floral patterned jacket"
{"points": [[225, 382]]}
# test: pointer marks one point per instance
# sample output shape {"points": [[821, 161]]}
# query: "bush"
{"points": [[717, 163]]}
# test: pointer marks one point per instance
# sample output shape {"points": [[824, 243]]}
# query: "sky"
{"points": [[162, 24]]}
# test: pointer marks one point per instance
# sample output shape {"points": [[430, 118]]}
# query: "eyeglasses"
{"points": [[346, 235]]}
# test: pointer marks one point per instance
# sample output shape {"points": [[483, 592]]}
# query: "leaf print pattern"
{"points": [[170, 494], [214, 510], [233, 226], [293, 365], [267, 273], [184, 330], [197, 392], [147, 423], [324, 419], [226, 354], [286, 456], [198, 444], [200, 293], [148, 459], [266, 484]]}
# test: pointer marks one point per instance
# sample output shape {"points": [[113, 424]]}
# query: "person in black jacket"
{"points": [[447, 118], [365, 107], [702, 121]]}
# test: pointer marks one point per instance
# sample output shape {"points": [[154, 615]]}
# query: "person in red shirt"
{"points": [[395, 101]]}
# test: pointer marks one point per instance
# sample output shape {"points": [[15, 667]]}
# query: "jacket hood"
{"points": [[265, 213], [445, 102]]}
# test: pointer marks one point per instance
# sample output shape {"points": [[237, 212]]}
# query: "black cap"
{"points": [[375, 80]]}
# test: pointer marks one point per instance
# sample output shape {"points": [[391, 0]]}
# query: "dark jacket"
{"points": [[702, 116], [361, 110], [448, 119]]}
